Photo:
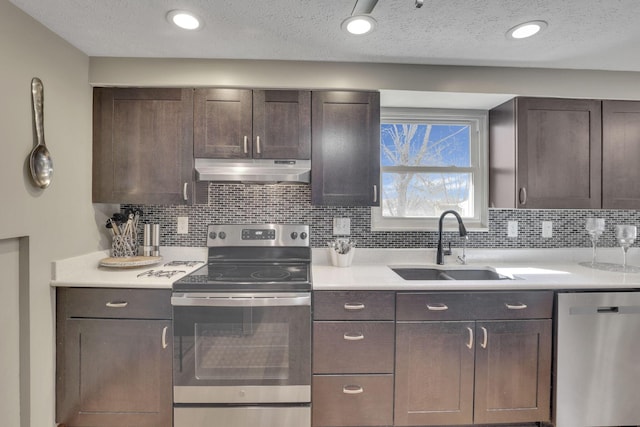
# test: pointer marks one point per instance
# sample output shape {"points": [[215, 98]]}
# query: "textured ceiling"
{"points": [[583, 34]]}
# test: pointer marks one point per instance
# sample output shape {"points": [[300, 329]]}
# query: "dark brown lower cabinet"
{"points": [[113, 371], [455, 368], [434, 373], [461, 372]]}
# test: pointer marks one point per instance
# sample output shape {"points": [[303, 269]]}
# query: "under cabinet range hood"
{"points": [[263, 171]]}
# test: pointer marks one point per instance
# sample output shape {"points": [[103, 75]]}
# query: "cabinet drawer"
{"points": [[353, 347], [116, 303], [474, 305], [353, 305], [346, 400]]}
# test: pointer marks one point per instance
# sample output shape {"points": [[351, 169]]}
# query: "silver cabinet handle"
{"points": [[519, 306], [522, 196], [185, 196], [353, 337], [352, 389], [353, 306], [375, 193], [119, 304], [437, 307], [485, 336], [164, 337], [470, 343], [246, 146], [258, 150]]}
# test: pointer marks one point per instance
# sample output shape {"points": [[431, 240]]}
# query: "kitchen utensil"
{"points": [[40, 162]]}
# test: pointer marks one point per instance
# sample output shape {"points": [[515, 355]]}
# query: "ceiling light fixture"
{"points": [[526, 29], [359, 24], [360, 21], [183, 19]]}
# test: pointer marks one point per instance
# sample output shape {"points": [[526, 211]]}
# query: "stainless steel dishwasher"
{"points": [[598, 359]]}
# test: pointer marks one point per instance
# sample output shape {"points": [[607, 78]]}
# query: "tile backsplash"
{"points": [[258, 204]]}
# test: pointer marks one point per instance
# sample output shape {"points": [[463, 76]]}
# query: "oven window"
{"points": [[229, 346], [246, 350]]}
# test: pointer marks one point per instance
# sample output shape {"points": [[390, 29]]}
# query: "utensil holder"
{"points": [[341, 260], [123, 246]]}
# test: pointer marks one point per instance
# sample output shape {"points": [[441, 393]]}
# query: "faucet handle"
{"points": [[448, 250]]}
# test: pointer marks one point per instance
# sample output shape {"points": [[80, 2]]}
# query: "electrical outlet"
{"points": [[547, 229], [341, 226], [183, 225], [512, 228]]}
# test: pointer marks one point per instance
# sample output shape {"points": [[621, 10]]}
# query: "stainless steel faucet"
{"points": [[461, 228]]}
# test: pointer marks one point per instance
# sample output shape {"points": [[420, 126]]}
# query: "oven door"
{"points": [[242, 348]]}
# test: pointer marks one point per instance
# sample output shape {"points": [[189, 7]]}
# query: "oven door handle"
{"points": [[239, 300]]}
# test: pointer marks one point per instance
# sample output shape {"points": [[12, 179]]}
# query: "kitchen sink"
{"points": [[429, 273]]}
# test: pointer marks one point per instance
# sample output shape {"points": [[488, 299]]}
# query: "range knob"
{"points": [[213, 235], [222, 235], [294, 235], [303, 235]]}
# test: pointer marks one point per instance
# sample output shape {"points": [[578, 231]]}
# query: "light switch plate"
{"points": [[341, 226], [547, 229], [512, 228], [183, 225]]}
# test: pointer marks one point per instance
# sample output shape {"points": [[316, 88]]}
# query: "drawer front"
{"points": [[353, 305], [348, 400], [353, 347], [474, 305], [116, 303]]}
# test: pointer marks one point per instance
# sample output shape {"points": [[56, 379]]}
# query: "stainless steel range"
{"points": [[242, 330]]}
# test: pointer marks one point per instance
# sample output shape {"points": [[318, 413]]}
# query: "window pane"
{"points": [[426, 194], [425, 145]]}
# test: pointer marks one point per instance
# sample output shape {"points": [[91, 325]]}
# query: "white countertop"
{"points": [[85, 271], [531, 269]]}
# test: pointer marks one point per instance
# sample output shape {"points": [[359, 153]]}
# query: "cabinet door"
{"points": [[346, 148], [620, 154], [434, 373], [558, 153], [115, 372], [143, 146], [513, 371], [222, 123], [281, 124]]}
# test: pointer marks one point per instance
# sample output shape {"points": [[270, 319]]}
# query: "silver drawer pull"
{"points": [[353, 337], [246, 148], [485, 336], [353, 306], [437, 307], [164, 337], [352, 389], [470, 343], [519, 306], [119, 304]]}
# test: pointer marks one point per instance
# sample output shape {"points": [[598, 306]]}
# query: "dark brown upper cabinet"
{"points": [[620, 154], [260, 124], [143, 146], [545, 153], [345, 162]]}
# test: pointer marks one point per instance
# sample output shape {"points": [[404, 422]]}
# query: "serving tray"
{"points": [[127, 262]]}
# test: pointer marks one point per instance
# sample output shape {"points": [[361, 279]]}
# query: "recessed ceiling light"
{"points": [[359, 24], [184, 19], [526, 29]]}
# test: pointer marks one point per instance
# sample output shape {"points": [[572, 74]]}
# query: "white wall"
{"points": [[328, 75], [60, 221]]}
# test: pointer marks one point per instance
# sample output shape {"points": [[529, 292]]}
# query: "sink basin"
{"points": [[428, 273]]}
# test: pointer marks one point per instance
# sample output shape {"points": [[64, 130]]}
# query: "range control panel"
{"points": [[258, 235]]}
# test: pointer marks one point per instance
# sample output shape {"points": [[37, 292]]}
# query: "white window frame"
{"points": [[479, 152]]}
